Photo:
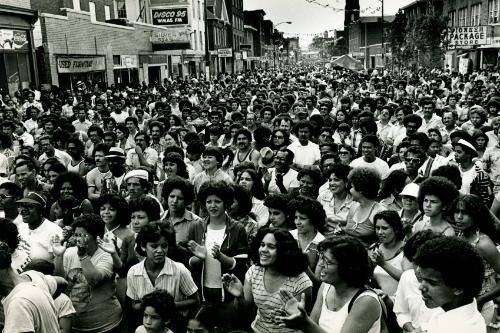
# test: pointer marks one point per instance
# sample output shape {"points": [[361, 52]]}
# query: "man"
{"points": [[36, 229], [22, 136], [450, 125], [429, 118], [212, 159], [306, 152], [49, 151], [118, 115], [26, 175], [412, 123], [245, 152], [95, 134], [116, 184], [138, 184], [82, 124], [451, 274], [414, 158], [369, 146], [67, 109], [28, 305], [109, 139], [327, 163], [282, 178], [471, 173], [285, 124], [157, 142], [97, 177], [132, 125], [31, 103], [493, 134], [142, 154]]}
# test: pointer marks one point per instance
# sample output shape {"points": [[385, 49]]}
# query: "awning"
{"points": [[348, 62]]}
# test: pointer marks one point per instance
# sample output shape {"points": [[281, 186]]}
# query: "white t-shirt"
{"points": [[289, 180], [213, 271], [38, 240], [380, 166], [467, 179], [305, 155]]}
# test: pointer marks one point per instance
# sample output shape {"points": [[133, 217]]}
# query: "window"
{"points": [[200, 15], [462, 17], [121, 9], [107, 14], [194, 11], [452, 16], [201, 41], [475, 14], [76, 4], [92, 11], [195, 43], [493, 11]]}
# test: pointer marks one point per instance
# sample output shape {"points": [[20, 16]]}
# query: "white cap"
{"points": [[410, 190]]}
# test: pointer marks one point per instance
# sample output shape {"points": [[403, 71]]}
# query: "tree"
{"points": [[397, 34]]}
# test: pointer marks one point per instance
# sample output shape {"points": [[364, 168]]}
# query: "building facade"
{"points": [[219, 37], [96, 41], [18, 66]]}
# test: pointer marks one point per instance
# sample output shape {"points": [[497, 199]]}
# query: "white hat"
{"points": [[141, 174], [410, 190], [467, 144]]}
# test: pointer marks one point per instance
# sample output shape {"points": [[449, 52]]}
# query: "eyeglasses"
{"points": [[324, 261], [343, 152], [5, 196], [414, 160]]}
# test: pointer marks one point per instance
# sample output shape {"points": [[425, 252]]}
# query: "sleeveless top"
{"points": [[236, 159], [364, 230], [75, 168], [332, 321], [489, 280]]}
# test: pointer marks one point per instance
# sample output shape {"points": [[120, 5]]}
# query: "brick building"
{"points": [[219, 37], [483, 15], [365, 40], [17, 55], [97, 41], [236, 31], [255, 19]]}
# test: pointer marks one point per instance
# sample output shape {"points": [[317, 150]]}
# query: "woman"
{"points": [[89, 272], [346, 154], [387, 253], [389, 195], [341, 116], [153, 243], [173, 165], [309, 182], [241, 211], [271, 275], [114, 211], [365, 184], [343, 304], [70, 183], [475, 224], [218, 244], [76, 149], [278, 205], [481, 140], [177, 196], [435, 196], [142, 211], [336, 200], [310, 220], [171, 139], [409, 213], [109, 124], [251, 181], [279, 139]]}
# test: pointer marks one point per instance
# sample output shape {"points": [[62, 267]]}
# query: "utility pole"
{"points": [[383, 49], [207, 52]]}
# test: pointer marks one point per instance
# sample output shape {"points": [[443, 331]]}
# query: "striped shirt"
{"points": [[268, 302], [174, 278]]}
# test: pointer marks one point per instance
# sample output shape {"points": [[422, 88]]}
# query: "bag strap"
{"points": [[356, 295], [381, 302]]}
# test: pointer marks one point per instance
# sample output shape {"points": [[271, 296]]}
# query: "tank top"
{"points": [[332, 321], [489, 280], [364, 230], [75, 168], [236, 159]]}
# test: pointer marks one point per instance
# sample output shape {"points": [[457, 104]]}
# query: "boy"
{"points": [[159, 308]]}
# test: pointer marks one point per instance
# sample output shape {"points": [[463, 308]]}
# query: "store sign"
{"points": [[128, 61], [80, 65], [171, 36], [244, 55], [13, 39], [467, 36], [170, 16], [225, 53]]}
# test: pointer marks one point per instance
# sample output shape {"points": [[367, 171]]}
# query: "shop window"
{"points": [[121, 9], [117, 60]]}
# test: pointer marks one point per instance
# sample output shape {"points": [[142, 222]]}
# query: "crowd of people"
{"points": [[301, 200]]}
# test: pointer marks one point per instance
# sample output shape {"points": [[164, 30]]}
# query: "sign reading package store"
{"points": [[467, 36], [80, 65], [13, 39], [170, 16]]}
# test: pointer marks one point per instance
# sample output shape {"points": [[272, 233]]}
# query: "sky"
{"points": [[308, 18]]}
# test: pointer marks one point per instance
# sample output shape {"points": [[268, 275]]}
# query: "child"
{"points": [[159, 308], [204, 321]]}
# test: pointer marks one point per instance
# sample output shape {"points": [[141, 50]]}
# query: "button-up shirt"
{"points": [[182, 226]]}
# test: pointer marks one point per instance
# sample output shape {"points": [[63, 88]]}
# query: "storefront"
{"points": [[17, 60], [88, 69], [125, 69]]}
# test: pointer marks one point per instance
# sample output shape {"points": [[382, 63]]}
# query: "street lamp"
{"points": [[274, 43]]}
